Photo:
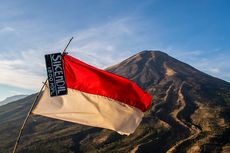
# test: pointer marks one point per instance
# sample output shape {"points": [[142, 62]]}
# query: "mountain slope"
{"points": [[190, 114], [185, 97], [11, 99]]}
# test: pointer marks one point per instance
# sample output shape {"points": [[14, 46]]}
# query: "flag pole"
{"points": [[64, 51], [27, 117], [32, 106]]}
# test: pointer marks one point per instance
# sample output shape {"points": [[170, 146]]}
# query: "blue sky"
{"points": [[106, 32]]}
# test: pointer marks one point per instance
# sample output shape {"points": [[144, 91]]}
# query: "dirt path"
{"points": [[192, 128]]}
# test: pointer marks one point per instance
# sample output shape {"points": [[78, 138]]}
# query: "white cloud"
{"points": [[104, 45], [212, 63], [183, 54], [14, 76], [214, 70], [100, 46], [15, 92], [6, 29]]}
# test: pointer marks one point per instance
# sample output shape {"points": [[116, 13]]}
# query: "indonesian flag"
{"points": [[96, 98]]}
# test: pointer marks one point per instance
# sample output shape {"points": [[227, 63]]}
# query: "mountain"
{"points": [[190, 113], [11, 99]]}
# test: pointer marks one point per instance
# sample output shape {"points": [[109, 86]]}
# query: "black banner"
{"points": [[55, 74]]}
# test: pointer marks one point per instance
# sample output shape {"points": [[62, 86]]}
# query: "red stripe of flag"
{"points": [[86, 78]]}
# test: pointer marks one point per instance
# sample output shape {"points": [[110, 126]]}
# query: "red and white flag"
{"points": [[96, 98]]}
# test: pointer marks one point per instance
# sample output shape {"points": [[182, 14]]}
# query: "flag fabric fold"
{"points": [[96, 98]]}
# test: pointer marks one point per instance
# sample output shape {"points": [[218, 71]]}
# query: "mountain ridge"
{"points": [[11, 99]]}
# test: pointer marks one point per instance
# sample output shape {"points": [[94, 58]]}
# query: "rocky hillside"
{"points": [[190, 113]]}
